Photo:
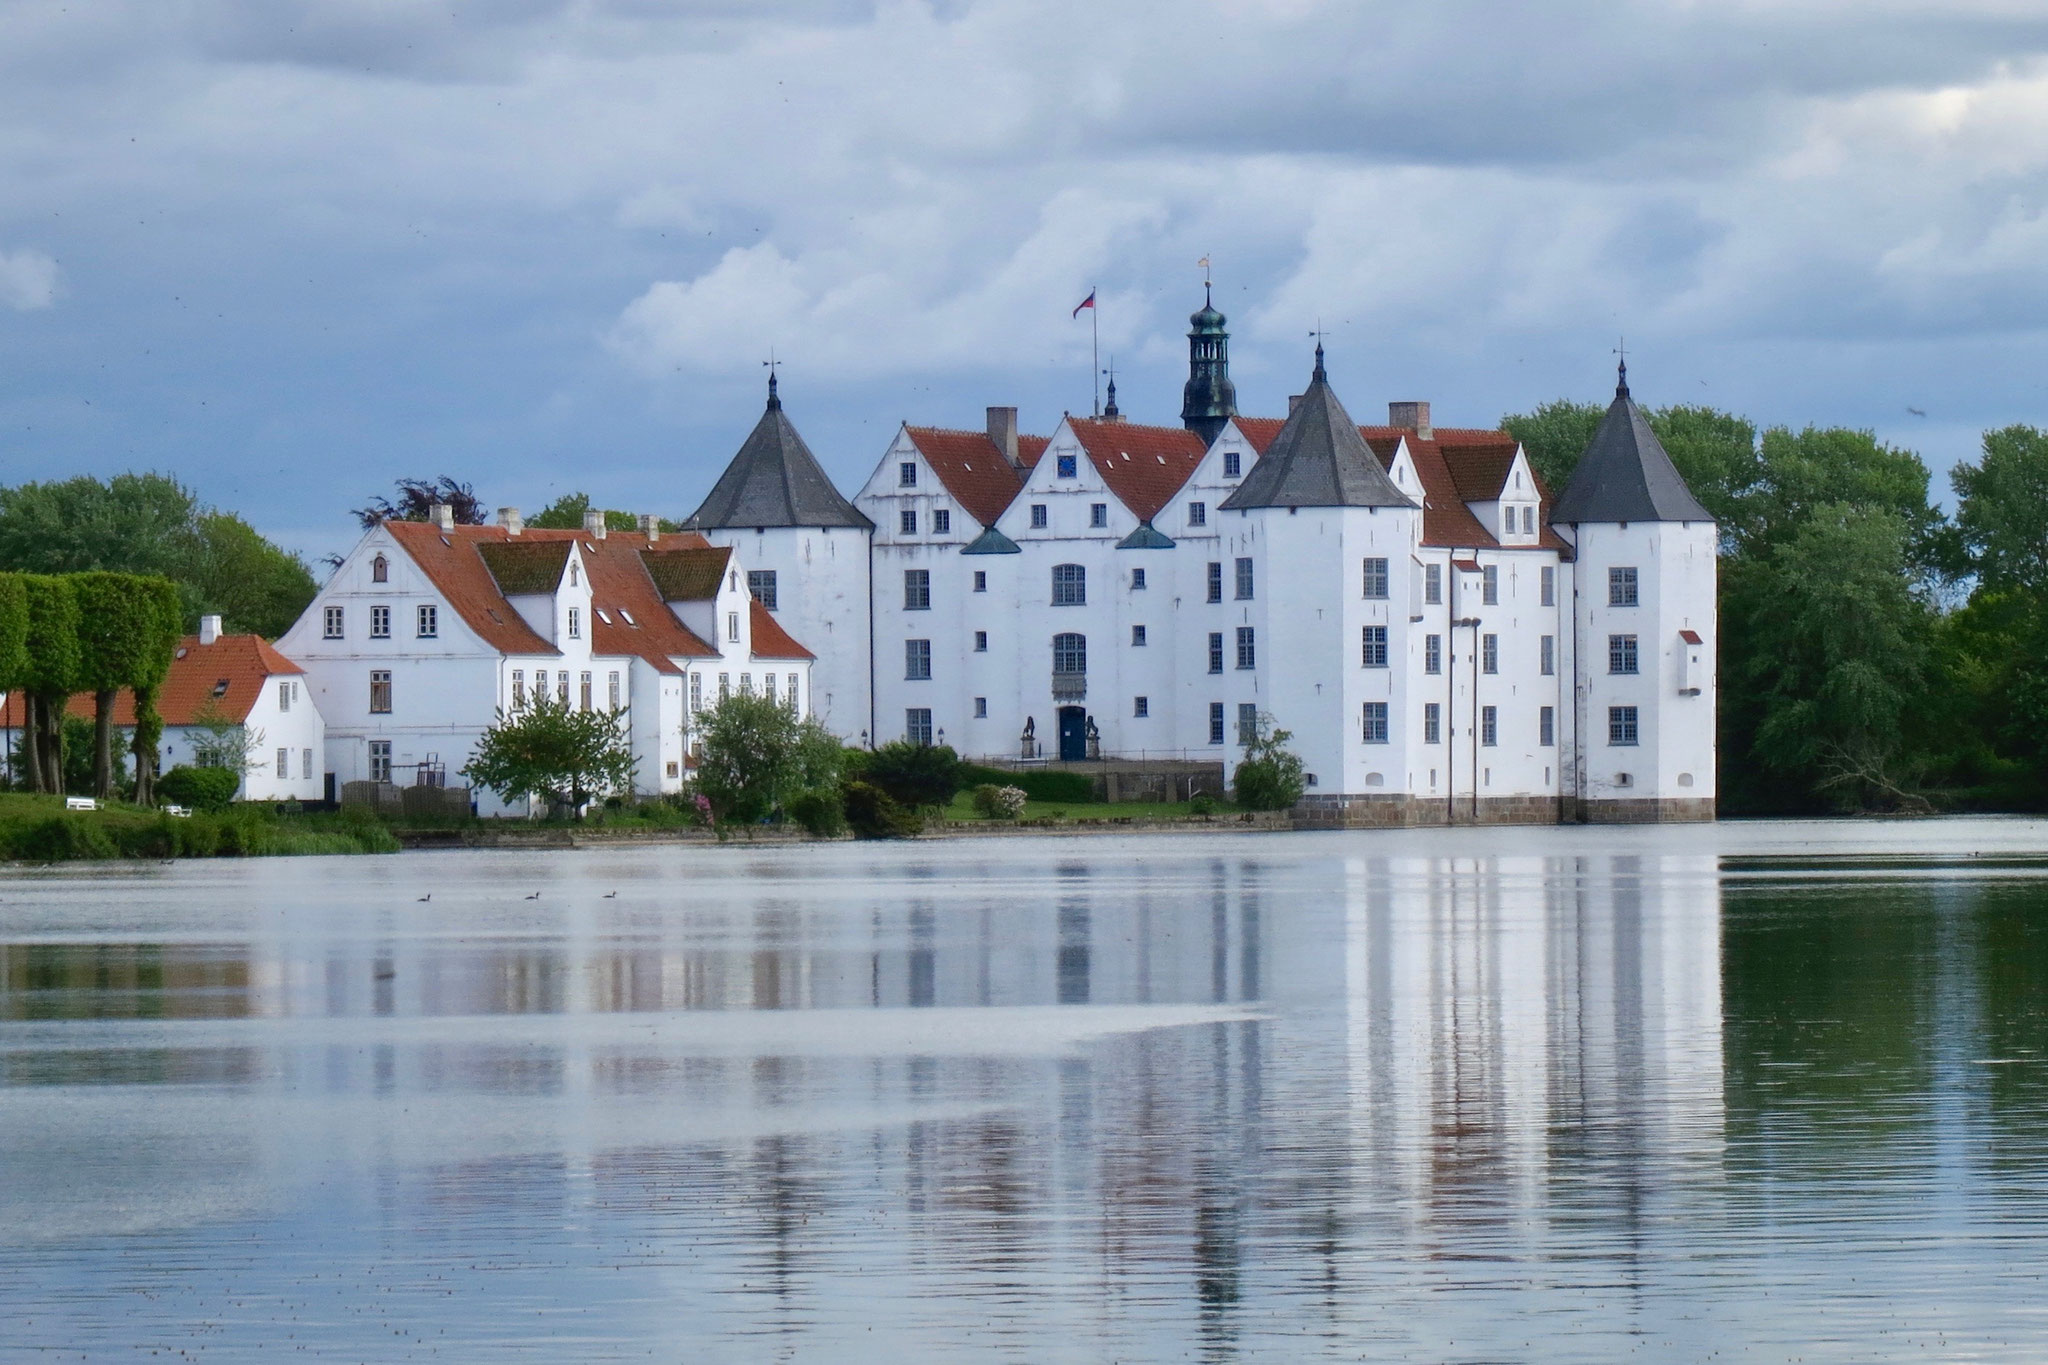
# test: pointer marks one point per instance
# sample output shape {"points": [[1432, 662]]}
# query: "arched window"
{"points": [[1069, 585], [573, 579], [380, 572], [1069, 653]]}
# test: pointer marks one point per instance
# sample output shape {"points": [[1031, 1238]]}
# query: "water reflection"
{"points": [[1553, 1094]]}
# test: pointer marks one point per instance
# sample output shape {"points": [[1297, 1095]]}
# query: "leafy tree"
{"points": [[224, 742], [2002, 510], [123, 641], [416, 499], [166, 615], [567, 757], [1717, 454], [920, 776], [1271, 777], [758, 757], [566, 514], [252, 585], [51, 676], [1554, 436], [1807, 473], [13, 632]]}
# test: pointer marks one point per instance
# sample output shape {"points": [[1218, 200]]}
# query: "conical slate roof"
{"points": [[1318, 459], [774, 481], [1625, 474]]}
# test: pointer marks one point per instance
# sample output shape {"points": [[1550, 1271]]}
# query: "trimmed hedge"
{"points": [[1040, 784]]}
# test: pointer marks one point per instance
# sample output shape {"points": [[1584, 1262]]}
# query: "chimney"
{"points": [[650, 526], [442, 515], [509, 518], [1294, 401], [1413, 416], [1002, 430], [209, 629], [593, 524]]}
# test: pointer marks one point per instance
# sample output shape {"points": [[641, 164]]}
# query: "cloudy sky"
{"points": [[292, 249]]}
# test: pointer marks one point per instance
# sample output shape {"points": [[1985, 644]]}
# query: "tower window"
{"points": [[917, 660], [1433, 583], [1489, 725], [1489, 654], [1375, 647], [1621, 725], [1621, 587], [1375, 722], [1489, 585], [1138, 637], [1137, 579], [981, 642], [1547, 653], [1546, 726], [761, 583], [1244, 580], [981, 580], [1549, 585], [1247, 648], [1432, 723], [1141, 707], [981, 708], [1376, 578], [1432, 654], [1621, 654]]}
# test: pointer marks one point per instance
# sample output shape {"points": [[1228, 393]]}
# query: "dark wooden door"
{"points": [[1073, 733]]}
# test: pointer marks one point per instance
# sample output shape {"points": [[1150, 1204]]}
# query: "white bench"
{"points": [[170, 808], [80, 803]]}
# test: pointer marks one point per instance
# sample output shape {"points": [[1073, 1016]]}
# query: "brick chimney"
{"points": [[509, 518], [209, 629], [1412, 415], [593, 524], [1002, 430], [442, 515]]}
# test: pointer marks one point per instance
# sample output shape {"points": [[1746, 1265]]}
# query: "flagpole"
{"points": [[1095, 345]]}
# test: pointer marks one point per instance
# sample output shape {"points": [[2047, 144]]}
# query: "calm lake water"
{"points": [[1760, 1091]]}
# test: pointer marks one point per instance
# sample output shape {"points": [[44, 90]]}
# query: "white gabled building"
{"points": [[1402, 598], [428, 629]]}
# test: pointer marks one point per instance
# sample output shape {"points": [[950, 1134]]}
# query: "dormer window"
{"points": [[380, 570]]}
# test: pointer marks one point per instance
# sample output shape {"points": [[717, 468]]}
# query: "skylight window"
{"points": [[220, 689], [627, 617]]}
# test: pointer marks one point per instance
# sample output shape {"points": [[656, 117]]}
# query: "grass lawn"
{"points": [[39, 829]]}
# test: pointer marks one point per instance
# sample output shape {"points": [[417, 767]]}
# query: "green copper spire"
{"points": [[1210, 399]]}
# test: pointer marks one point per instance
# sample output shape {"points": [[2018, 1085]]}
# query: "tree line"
{"points": [[1876, 653]]}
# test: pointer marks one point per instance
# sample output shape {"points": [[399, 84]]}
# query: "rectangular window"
{"points": [[981, 642], [611, 690], [331, 621], [1376, 579], [380, 760], [789, 696], [746, 685], [1038, 516], [1489, 585], [1244, 580], [942, 521], [1247, 648], [917, 660], [1216, 652], [1547, 649], [380, 691], [1247, 722], [518, 689], [1098, 514], [1373, 652], [1546, 726], [917, 590], [306, 764], [981, 580], [1621, 588], [696, 693], [732, 627], [1137, 580], [1621, 654], [1432, 723], [380, 623], [1141, 707], [284, 763], [1215, 582], [981, 708], [1069, 465], [1548, 585], [575, 622], [906, 474], [1069, 585], [583, 695], [1069, 653], [761, 583], [1433, 583], [284, 696], [1198, 514], [1138, 636], [1215, 722], [1489, 731], [540, 685], [724, 686], [429, 622], [1230, 464], [906, 521], [1489, 654], [1528, 521], [768, 686], [562, 689], [917, 725], [1432, 654], [1375, 722], [1621, 725]]}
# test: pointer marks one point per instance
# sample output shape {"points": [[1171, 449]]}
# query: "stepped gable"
{"points": [[224, 678], [1143, 466], [1625, 474], [973, 470], [1318, 458], [774, 480]]}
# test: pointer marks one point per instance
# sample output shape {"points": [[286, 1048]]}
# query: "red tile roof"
{"points": [[973, 470], [1143, 466], [771, 641], [230, 674]]}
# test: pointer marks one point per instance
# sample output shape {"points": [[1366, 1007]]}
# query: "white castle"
{"points": [[1446, 642]]}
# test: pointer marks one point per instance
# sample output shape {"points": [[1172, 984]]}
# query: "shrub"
{"points": [[999, 803], [62, 839], [873, 814], [199, 788], [1271, 777], [820, 810], [1039, 784], [916, 775], [1201, 803]]}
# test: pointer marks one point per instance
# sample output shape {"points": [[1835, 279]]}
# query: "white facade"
{"points": [[824, 605], [287, 744]]}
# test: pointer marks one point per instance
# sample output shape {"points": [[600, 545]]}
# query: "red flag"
{"points": [[1088, 302]]}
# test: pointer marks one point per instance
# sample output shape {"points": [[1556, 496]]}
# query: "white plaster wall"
{"points": [[822, 592]]}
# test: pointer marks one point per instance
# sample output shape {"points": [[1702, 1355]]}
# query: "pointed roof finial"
{"points": [[1318, 335], [774, 401], [1109, 409], [1621, 368]]}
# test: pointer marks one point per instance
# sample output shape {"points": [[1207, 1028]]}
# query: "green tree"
{"points": [[153, 664], [1271, 776], [564, 756], [1554, 436], [1807, 472], [255, 587], [756, 756], [51, 676], [566, 514], [919, 776], [120, 645], [2002, 510]]}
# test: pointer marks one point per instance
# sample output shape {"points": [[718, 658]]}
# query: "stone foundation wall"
{"points": [[1391, 811], [1646, 810]]}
